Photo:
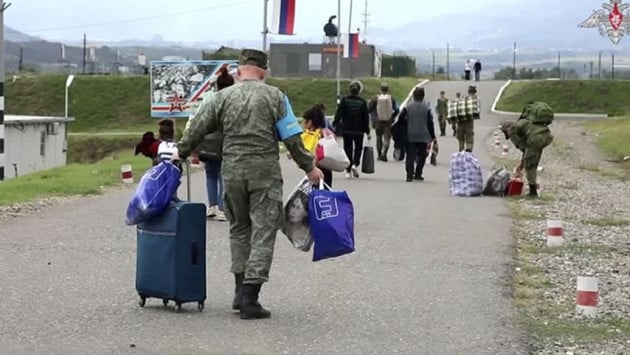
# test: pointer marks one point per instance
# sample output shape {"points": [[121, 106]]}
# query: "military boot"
{"points": [[532, 191], [238, 291], [250, 308]]}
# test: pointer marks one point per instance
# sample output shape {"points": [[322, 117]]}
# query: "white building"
{"points": [[34, 143]]}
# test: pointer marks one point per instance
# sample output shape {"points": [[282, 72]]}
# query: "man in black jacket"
{"points": [[352, 120], [417, 120]]}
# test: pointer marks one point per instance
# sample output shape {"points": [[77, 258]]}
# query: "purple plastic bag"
{"points": [[154, 193], [331, 219]]}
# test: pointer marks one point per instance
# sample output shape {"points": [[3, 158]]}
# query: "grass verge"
{"points": [[122, 103], [612, 136], [569, 96], [72, 179], [538, 315]]}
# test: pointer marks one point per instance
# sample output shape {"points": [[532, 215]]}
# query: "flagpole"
{"points": [[349, 32], [338, 51], [265, 29]]}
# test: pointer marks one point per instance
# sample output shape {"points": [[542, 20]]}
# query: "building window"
{"points": [[42, 144], [315, 62], [293, 63]]}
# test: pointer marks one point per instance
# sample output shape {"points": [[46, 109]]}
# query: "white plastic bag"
{"points": [[465, 177], [296, 226], [330, 155]]}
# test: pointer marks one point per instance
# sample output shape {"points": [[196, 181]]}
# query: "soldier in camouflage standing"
{"points": [[247, 113], [442, 111]]}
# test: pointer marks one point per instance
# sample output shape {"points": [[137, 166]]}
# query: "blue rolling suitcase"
{"points": [[171, 260]]}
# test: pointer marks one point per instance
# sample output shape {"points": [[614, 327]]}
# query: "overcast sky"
{"points": [[199, 20]]}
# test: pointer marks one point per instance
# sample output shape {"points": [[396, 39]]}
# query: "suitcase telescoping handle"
{"points": [[186, 163]]}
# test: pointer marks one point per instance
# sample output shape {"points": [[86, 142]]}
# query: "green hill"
{"points": [[121, 103], [570, 96]]}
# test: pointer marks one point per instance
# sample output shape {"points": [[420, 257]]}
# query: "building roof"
{"points": [[25, 119]]}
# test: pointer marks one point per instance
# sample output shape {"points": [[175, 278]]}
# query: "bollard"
{"points": [[127, 173], [587, 296], [555, 233], [506, 150], [497, 142]]}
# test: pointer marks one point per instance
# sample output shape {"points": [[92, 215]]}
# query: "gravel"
{"points": [[580, 187], [9, 212]]}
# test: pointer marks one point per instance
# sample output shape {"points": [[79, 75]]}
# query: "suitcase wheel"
{"points": [[200, 306], [142, 301], [178, 307], [165, 302]]}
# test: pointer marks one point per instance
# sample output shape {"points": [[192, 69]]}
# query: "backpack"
{"points": [[497, 182], [538, 112], [384, 107]]}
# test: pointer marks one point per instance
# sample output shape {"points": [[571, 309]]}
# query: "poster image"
{"points": [[177, 84]]}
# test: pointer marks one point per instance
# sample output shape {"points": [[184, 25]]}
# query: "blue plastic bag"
{"points": [[331, 220], [154, 193]]}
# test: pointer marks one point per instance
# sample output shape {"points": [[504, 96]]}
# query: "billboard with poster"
{"points": [[177, 84]]}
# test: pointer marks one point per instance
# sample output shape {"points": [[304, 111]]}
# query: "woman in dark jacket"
{"points": [[352, 121]]}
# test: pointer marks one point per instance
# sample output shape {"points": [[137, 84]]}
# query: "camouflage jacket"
{"points": [[246, 115], [525, 135]]}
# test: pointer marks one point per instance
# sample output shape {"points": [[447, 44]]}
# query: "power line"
{"points": [[139, 18]]}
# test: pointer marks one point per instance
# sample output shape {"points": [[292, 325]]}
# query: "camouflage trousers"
{"points": [[466, 135], [531, 160], [254, 209]]}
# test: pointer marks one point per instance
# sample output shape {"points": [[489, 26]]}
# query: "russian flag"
{"points": [[283, 21], [350, 43]]}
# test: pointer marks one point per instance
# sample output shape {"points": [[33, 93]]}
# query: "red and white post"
{"points": [[126, 173], [587, 296], [555, 232], [506, 150]]}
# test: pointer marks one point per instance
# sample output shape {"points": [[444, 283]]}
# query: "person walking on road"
{"points": [[315, 128], [418, 120], [210, 154], [466, 123], [467, 69], [477, 68], [384, 108], [247, 114], [353, 121], [442, 110]]}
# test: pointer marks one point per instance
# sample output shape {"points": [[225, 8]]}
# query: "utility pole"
{"points": [[3, 6], [448, 61], [599, 68], [265, 30], [613, 66], [433, 64], [591, 75], [514, 62], [84, 51], [365, 21], [559, 71], [21, 59], [351, 60]]}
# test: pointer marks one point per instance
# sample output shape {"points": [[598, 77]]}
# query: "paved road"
{"points": [[429, 277]]}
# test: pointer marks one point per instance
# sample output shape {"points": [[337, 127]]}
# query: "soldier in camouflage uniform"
{"points": [[530, 138], [442, 111], [246, 114]]}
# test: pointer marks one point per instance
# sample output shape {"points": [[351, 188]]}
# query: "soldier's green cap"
{"points": [[253, 57]]}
